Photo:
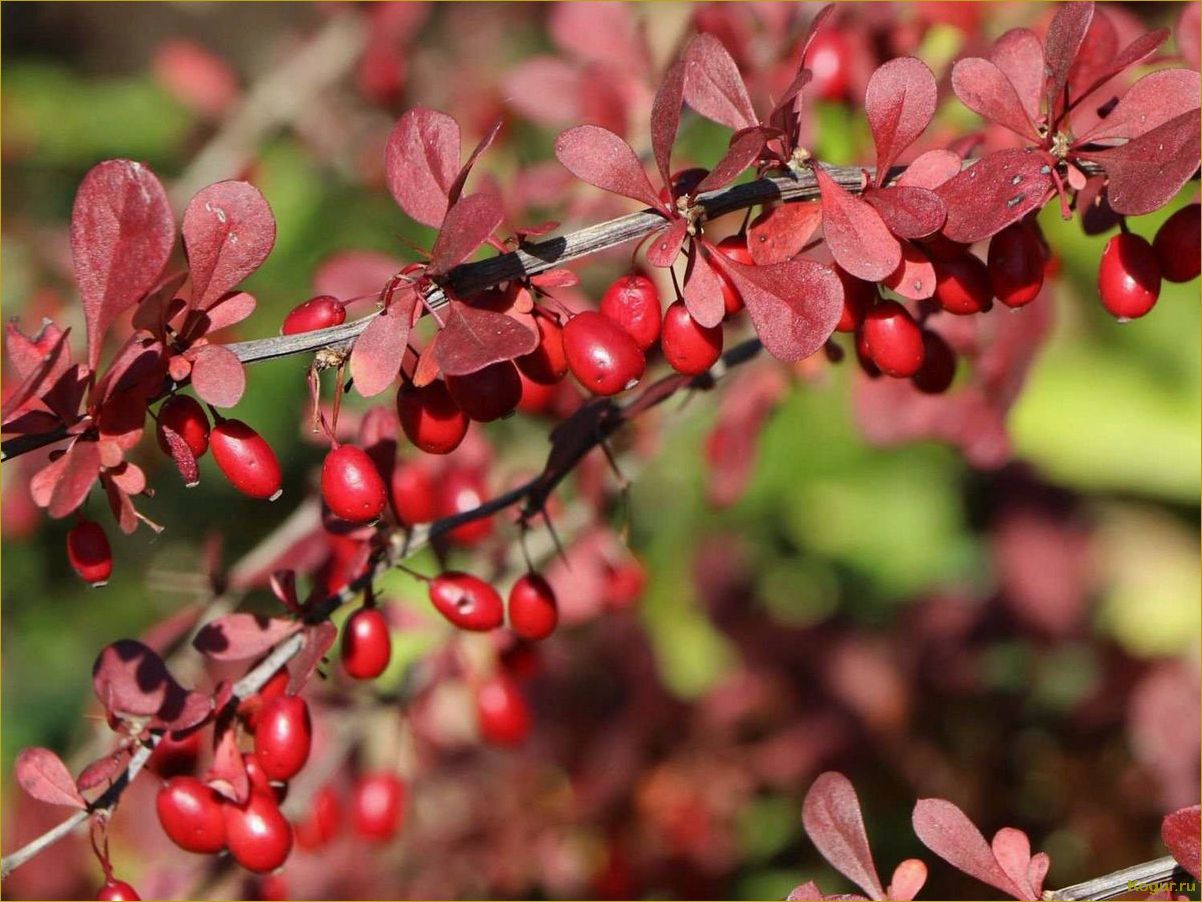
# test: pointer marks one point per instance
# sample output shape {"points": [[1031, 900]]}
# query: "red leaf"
{"points": [[81, 468], [122, 231], [181, 453], [985, 89], [703, 296], [555, 278], [128, 477], [228, 774], [473, 339], [947, 831], [666, 244], [228, 311], [103, 770], [858, 238], [744, 149], [121, 506], [468, 225], [782, 231], [1180, 832], [931, 169], [52, 363], [27, 355], [908, 878], [831, 814], [713, 85], [1146, 172], [138, 369], [1186, 32], [42, 774], [461, 179], [1063, 41], [914, 277], [377, 354], [1142, 47], [181, 709], [1019, 54], [994, 192], [354, 274], [732, 444], [129, 678], [318, 640], [228, 232], [908, 212], [805, 891], [218, 376], [900, 102], [1037, 870], [794, 306], [421, 162], [1012, 851], [665, 119], [1150, 102], [236, 637], [600, 32], [599, 157]]}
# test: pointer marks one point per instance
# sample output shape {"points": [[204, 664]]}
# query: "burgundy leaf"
{"points": [[81, 468], [181, 454], [931, 169], [1179, 831], [426, 369], [228, 311], [468, 225], [1141, 48], [908, 212], [318, 640], [355, 274], [1150, 102], [129, 678], [555, 278], [122, 231], [130, 478], [42, 774], [421, 162], [665, 119], [666, 244], [51, 364], [703, 296], [181, 709], [228, 232], [713, 85], [161, 305], [816, 25], [831, 814], [138, 369], [103, 770], [994, 192], [985, 89], [218, 376], [914, 277], [900, 102], [782, 231], [121, 505], [1037, 871], [228, 774], [283, 587], [473, 339], [1012, 851], [599, 157], [1064, 38], [27, 355], [1146, 172], [744, 149], [461, 179], [858, 238], [377, 353], [1019, 54], [794, 306], [236, 637], [947, 831]]}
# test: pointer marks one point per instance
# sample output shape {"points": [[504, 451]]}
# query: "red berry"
{"points": [[468, 602], [377, 804], [191, 815], [502, 712], [173, 756], [413, 494], [858, 296], [892, 339], [351, 485], [273, 688], [1016, 265], [962, 285], [633, 303], [487, 394], [689, 347], [546, 364], [320, 824], [88, 552], [246, 459], [320, 312], [259, 836], [1128, 277], [537, 398], [684, 182], [602, 355], [624, 584], [186, 418], [1177, 244], [533, 611], [283, 737], [431, 418], [366, 644], [117, 891], [829, 58], [461, 491], [733, 247], [938, 368]]}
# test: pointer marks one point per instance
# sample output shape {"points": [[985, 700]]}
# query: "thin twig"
{"points": [[1152, 874]]}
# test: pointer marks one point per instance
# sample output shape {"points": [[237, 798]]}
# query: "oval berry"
{"points": [[601, 354], [858, 296], [624, 583], [377, 806], [962, 285], [537, 398], [273, 688], [413, 493], [462, 491], [316, 313], [283, 737], [1177, 244], [257, 777], [487, 394], [547, 364], [633, 303], [1016, 265], [351, 485], [468, 602], [191, 815], [533, 611], [502, 712], [320, 824], [430, 417], [89, 553], [689, 347], [733, 247], [186, 418], [366, 644], [938, 368], [117, 891], [246, 459], [829, 59], [892, 339], [1128, 277], [259, 836]]}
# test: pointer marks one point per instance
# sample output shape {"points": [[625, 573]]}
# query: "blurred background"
{"points": [[1010, 623]]}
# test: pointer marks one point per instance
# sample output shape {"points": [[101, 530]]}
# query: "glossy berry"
{"points": [[186, 418], [633, 303], [320, 312], [533, 611], [174, 756], [468, 602], [366, 644], [1128, 277], [547, 364], [488, 394], [892, 340], [283, 736], [259, 837], [601, 354], [89, 553], [938, 368], [377, 806], [351, 485], [1177, 244], [624, 584], [276, 686], [191, 815], [962, 285], [537, 398], [829, 58], [1016, 265], [413, 493], [461, 491], [430, 417], [858, 296], [733, 247], [689, 347], [117, 891], [684, 182], [502, 712], [320, 824], [246, 459]]}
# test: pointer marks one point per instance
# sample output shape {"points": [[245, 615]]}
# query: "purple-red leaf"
{"points": [[1141, 48], [994, 192], [318, 639], [236, 637], [129, 678], [461, 178], [947, 831], [181, 453], [81, 468], [900, 102], [713, 85], [599, 157], [908, 878], [1012, 851], [1063, 41], [228, 232], [703, 296], [665, 119], [421, 162], [103, 770], [474, 338], [858, 238], [782, 231], [1180, 832], [931, 169], [42, 774], [122, 231], [218, 376], [1019, 54], [467, 225], [914, 277], [354, 274], [909, 212], [46, 360], [744, 148], [1150, 102], [985, 89], [378, 352], [1145, 173], [228, 773], [665, 244], [831, 814], [228, 311]]}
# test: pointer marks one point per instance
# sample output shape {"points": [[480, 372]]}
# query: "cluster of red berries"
{"points": [[1131, 269]]}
